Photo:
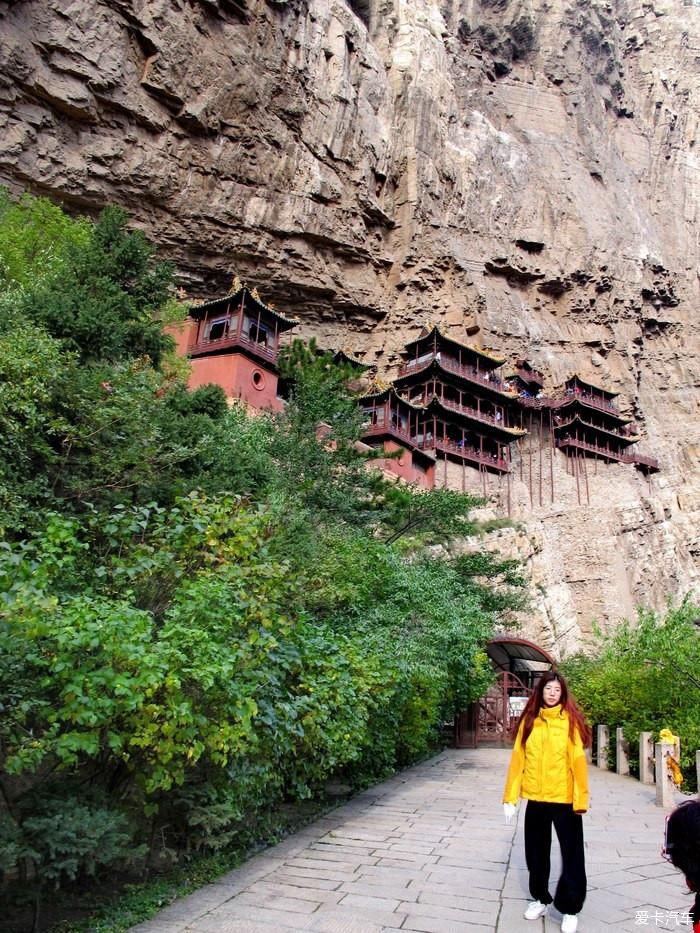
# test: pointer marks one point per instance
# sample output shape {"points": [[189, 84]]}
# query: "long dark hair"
{"points": [[577, 722], [683, 846]]}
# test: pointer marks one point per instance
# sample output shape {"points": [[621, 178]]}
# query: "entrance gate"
{"points": [[492, 719]]}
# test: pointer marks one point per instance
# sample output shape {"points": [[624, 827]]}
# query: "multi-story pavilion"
{"points": [[234, 342], [587, 420]]}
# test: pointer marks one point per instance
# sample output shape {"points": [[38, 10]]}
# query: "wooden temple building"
{"points": [[449, 403], [450, 407], [234, 342], [587, 420]]}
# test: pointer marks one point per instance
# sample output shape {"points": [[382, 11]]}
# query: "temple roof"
{"points": [[454, 374], [377, 387], [560, 404], [623, 438], [590, 385], [347, 356], [252, 301], [381, 390], [434, 332]]}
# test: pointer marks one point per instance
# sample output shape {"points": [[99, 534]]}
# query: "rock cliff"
{"points": [[524, 170]]}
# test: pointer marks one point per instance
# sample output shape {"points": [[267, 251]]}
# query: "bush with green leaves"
{"points": [[644, 677], [203, 616]]}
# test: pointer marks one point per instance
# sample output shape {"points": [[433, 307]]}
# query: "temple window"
{"points": [[217, 328], [258, 333]]}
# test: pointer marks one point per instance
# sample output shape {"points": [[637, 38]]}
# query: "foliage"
{"points": [[102, 297], [36, 238], [203, 616], [644, 678], [440, 513]]}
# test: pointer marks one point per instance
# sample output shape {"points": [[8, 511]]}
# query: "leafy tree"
{"points": [[33, 375], [36, 239], [202, 614], [437, 513], [102, 299], [643, 677]]}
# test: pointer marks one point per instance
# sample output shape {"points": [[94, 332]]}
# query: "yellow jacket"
{"points": [[551, 767]]}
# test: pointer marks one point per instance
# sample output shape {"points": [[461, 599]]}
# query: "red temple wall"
{"points": [[182, 333], [403, 466], [239, 377]]}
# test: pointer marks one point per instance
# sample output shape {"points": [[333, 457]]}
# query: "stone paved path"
{"points": [[429, 851]]}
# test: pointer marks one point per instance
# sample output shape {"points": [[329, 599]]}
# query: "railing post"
{"points": [[646, 758], [697, 769], [665, 788], [603, 742], [622, 765]]}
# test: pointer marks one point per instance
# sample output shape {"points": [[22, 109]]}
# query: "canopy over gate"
{"points": [[491, 719]]}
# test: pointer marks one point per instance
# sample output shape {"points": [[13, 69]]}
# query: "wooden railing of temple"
{"points": [[592, 400], [467, 453], [233, 340], [452, 365], [632, 458]]}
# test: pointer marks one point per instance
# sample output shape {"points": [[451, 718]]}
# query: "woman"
{"points": [[548, 769], [682, 849]]}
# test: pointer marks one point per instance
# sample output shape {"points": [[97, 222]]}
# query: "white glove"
{"points": [[509, 811]]}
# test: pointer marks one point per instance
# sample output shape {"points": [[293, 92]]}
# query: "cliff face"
{"points": [[525, 168]]}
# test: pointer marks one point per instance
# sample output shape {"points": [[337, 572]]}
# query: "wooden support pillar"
{"points": [[539, 445], [529, 459], [551, 455], [576, 470]]}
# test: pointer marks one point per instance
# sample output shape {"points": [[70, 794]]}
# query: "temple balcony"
{"points": [[389, 430], [529, 376], [478, 415], [595, 401], [542, 402], [644, 462], [452, 365], [463, 452], [623, 436], [235, 341], [605, 453]]}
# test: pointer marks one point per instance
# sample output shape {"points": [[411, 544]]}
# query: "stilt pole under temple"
{"points": [[576, 470], [508, 484], [539, 444], [529, 458], [551, 455]]}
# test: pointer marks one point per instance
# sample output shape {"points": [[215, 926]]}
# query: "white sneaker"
{"points": [[536, 909], [569, 922]]}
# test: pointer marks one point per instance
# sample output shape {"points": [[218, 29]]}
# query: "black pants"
{"points": [[571, 890]]}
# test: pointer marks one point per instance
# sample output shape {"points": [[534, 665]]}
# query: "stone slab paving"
{"points": [[429, 852]]}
